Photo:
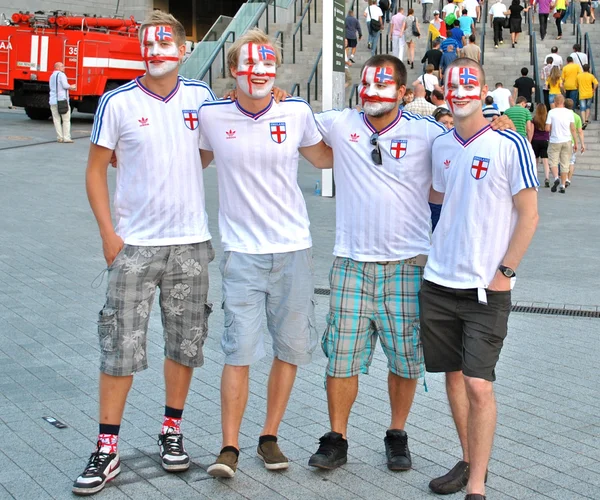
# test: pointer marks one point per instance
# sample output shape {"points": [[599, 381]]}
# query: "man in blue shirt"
{"points": [[458, 34], [352, 31], [466, 24]]}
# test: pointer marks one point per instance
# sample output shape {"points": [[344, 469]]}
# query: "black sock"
{"points": [[266, 438], [231, 448], [173, 412], [109, 429]]}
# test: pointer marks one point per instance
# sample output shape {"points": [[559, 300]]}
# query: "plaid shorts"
{"points": [[370, 300], [181, 273]]}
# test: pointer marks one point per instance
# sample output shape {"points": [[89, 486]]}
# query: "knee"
{"points": [[479, 391], [454, 380]]}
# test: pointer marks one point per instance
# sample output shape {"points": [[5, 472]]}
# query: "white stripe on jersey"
{"points": [[382, 211], [261, 207], [159, 197], [479, 178]]}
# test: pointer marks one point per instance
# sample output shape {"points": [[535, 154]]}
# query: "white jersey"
{"points": [[382, 211], [261, 207], [479, 178], [471, 6], [159, 197]]}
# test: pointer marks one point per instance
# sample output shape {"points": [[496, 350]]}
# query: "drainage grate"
{"points": [[552, 311]]}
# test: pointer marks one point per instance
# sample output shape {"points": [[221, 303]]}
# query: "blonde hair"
{"points": [[160, 18], [255, 35], [555, 76]]}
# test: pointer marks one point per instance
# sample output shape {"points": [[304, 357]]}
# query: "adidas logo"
{"points": [[143, 122], [447, 164], [230, 134], [354, 137]]}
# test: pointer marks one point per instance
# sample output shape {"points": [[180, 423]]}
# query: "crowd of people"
{"points": [[415, 267]]}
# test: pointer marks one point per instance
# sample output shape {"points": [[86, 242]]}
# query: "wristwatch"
{"points": [[507, 271]]}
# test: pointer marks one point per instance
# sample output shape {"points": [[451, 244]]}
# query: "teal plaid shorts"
{"points": [[367, 301]]}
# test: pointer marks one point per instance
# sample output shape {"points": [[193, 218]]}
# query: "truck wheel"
{"points": [[38, 113]]}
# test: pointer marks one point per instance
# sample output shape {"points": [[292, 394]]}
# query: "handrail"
{"points": [[483, 32], [590, 55], [353, 93], [295, 89], [577, 33], [314, 74], [220, 48], [539, 94], [299, 27], [279, 34]]}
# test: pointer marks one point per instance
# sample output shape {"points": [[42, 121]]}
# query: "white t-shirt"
{"points": [[375, 10], [471, 6], [159, 197], [479, 178], [498, 10], [502, 98], [261, 207], [450, 8], [59, 87], [430, 81], [556, 60], [579, 58], [382, 211], [560, 119]]}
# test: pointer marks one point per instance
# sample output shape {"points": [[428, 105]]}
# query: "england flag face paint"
{"points": [[159, 50], [257, 67], [463, 91], [378, 92]]}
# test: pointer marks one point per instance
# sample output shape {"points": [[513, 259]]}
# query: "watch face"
{"points": [[508, 272]]}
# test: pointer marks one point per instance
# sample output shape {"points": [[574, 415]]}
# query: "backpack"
{"points": [[450, 18], [384, 5]]}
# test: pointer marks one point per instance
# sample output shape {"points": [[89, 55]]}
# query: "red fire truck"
{"points": [[99, 54]]}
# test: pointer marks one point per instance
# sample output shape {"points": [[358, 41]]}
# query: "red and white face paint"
{"points": [[257, 67], [159, 50], [378, 92], [463, 91]]}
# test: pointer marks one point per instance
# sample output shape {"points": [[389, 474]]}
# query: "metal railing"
{"points": [[314, 75], [298, 28], [539, 94], [353, 94], [279, 36], [227, 37], [588, 51], [295, 89], [483, 33]]}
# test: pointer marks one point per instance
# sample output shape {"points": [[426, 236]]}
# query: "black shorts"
{"points": [[352, 42], [540, 148], [460, 334]]}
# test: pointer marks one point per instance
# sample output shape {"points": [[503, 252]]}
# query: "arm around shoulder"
{"points": [[320, 155]]}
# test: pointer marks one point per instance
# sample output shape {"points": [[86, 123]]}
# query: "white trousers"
{"points": [[398, 46], [63, 130]]}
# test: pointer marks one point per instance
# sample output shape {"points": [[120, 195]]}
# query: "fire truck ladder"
{"points": [[72, 52], [4, 62]]}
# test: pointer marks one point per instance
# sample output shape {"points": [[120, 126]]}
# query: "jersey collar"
{"points": [[386, 128], [156, 96], [254, 116], [464, 143]]}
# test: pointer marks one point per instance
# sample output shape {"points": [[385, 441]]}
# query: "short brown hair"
{"points": [[255, 35], [160, 18]]}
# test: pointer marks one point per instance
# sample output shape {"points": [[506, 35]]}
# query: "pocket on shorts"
{"points": [[211, 253], [224, 265], [329, 336], [107, 329], [118, 257]]}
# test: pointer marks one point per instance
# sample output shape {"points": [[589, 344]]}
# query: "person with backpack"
{"points": [[374, 17], [450, 13]]}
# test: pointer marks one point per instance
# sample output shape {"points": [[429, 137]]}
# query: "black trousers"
{"points": [[543, 25], [559, 21], [498, 26]]}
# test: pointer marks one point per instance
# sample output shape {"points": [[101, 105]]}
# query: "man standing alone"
{"points": [[59, 91], [353, 34]]}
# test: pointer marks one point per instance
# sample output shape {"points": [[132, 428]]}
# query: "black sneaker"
{"points": [[567, 184], [453, 481], [100, 469], [561, 190], [546, 183], [172, 453], [332, 452], [555, 185], [396, 450]]}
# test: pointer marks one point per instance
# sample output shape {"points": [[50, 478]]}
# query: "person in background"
{"points": [[524, 86], [502, 97], [375, 13], [585, 14], [557, 60], [521, 117], [560, 7], [437, 20], [578, 56], [586, 86], [410, 36], [429, 81], [539, 141], [427, 7], [515, 20], [434, 56], [466, 24], [569, 75], [458, 35], [448, 57], [409, 96], [560, 122], [490, 110], [544, 75], [555, 84], [59, 91], [444, 116], [420, 105], [569, 104], [353, 35], [437, 99], [472, 50], [473, 10], [543, 7], [497, 15], [450, 13], [397, 31]]}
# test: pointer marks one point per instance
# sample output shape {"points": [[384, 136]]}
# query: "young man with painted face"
{"points": [[382, 166], [161, 239], [264, 227], [489, 215]]}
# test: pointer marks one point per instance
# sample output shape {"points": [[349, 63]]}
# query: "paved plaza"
{"points": [[51, 289]]}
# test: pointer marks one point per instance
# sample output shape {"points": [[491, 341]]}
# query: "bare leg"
{"points": [[546, 168], [177, 383], [554, 171], [402, 392], [234, 396], [571, 172], [459, 405], [341, 394], [563, 177], [281, 381], [113, 395], [481, 428]]}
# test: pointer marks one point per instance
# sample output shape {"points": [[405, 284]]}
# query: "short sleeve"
{"points": [[438, 180], [106, 130], [206, 96], [549, 118], [203, 139], [325, 121], [311, 134], [520, 162]]}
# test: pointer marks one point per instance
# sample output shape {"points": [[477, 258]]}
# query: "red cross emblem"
{"points": [[479, 167], [278, 132], [190, 117], [398, 148]]}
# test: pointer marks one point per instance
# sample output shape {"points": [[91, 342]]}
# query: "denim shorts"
{"points": [[282, 285], [181, 274], [370, 301], [585, 104]]}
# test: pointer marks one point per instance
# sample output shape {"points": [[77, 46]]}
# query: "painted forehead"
{"points": [[257, 52], [464, 75], [159, 34], [378, 74]]}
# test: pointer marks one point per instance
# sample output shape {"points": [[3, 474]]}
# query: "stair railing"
{"points": [[539, 94], [295, 89], [588, 51], [314, 75], [298, 28], [353, 95], [484, 17], [278, 38]]}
